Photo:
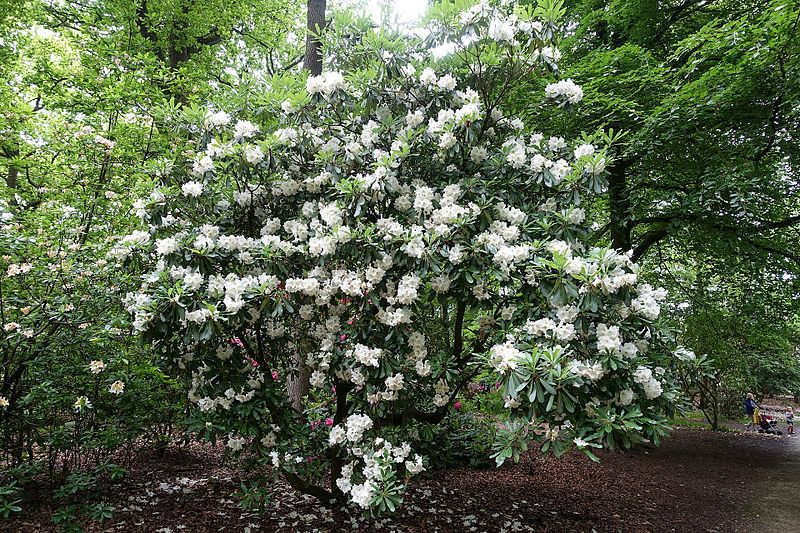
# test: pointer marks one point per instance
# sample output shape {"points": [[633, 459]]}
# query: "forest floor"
{"points": [[697, 481]]}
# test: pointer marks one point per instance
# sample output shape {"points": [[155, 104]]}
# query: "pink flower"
{"points": [[275, 375], [457, 406], [237, 341], [343, 338], [329, 422]]}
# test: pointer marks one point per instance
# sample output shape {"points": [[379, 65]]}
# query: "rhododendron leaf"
{"points": [[590, 455]]}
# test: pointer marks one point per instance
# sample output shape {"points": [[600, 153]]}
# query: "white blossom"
{"points": [[505, 357], [244, 130], [356, 426], [326, 83], [192, 188], [501, 30]]}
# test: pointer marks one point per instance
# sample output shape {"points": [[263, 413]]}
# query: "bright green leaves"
{"points": [[511, 440]]}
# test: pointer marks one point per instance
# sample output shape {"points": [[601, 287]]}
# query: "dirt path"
{"points": [[777, 503], [698, 481]]}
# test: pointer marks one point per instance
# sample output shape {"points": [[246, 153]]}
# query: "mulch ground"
{"points": [[697, 481]]}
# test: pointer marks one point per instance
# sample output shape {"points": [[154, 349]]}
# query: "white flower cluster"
{"points": [[505, 357], [564, 92], [562, 332], [352, 431], [193, 188], [366, 356], [593, 371], [608, 338], [377, 463], [6, 216], [647, 302], [244, 130], [216, 119], [644, 377], [501, 27], [97, 366], [326, 83]]}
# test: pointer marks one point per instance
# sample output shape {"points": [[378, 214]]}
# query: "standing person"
{"points": [[750, 407], [790, 420]]}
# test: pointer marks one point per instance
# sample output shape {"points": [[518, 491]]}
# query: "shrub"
{"points": [[76, 387], [399, 234]]}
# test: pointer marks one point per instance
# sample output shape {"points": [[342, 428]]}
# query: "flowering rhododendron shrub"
{"points": [[75, 385], [401, 234]]}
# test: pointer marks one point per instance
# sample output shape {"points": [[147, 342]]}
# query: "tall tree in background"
{"points": [[315, 17], [707, 94], [704, 187], [101, 59], [89, 94], [188, 42], [707, 97]]}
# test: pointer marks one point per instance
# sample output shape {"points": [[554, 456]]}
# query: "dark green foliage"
{"points": [[464, 438], [705, 182]]}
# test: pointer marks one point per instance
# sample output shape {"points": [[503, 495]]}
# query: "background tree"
{"points": [[704, 182], [88, 94]]}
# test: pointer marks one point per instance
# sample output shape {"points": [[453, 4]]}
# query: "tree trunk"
{"points": [[619, 206], [315, 24], [13, 170], [298, 383], [11, 178]]}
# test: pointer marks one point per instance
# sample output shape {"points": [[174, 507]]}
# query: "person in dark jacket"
{"points": [[750, 407]]}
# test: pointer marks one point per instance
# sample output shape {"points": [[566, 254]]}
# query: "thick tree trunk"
{"points": [[298, 384], [11, 178], [13, 170], [315, 24], [619, 206]]}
